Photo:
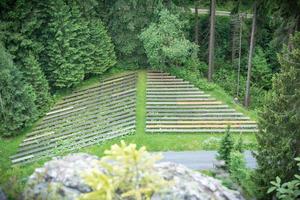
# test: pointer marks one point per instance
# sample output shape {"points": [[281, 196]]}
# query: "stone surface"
{"points": [[2, 195], [64, 177]]}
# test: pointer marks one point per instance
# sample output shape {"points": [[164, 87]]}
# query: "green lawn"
{"points": [[12, 179]]}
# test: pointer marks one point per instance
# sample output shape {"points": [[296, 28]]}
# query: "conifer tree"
{"points": [[65, 68], [103, 50], [279, 136], [19, 35], [17, 108]]}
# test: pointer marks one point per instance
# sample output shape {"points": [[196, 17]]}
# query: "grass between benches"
{"points": [[12, 179]]}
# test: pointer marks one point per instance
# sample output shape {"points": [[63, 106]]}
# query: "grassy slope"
{"points": [[16, 176]]}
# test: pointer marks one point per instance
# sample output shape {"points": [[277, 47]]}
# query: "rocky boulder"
{"points": [[61, 178]]}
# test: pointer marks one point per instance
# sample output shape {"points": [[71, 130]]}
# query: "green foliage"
{"points": [[241, 174], [130, 174], [261, 71], [289, 190], [65, 67], [279, 123], [226, 146], [17, 34], [165, 43], [126, 19], [17, 109], [239, 146]]}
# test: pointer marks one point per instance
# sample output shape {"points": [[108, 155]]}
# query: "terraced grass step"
{"points": [[194, 114], [186, 99], [202, 122]]}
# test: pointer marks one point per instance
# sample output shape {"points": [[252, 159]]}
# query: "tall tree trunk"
{"points": [[196, 23], [251, 50], [211, 47]]}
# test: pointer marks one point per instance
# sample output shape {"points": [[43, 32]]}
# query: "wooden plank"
{"points": [[180, 99], [200, 130], [52, 145], [87, 101], [96, 139], [191, 110], [176, 95], [90, 111], [194, 114], [185, 103], [170, 118], [175, 126], [64, 135], [202, 122], [100, 112], [180, 107]]}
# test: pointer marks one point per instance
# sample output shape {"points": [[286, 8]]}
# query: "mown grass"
{"points": [[13, 178]]}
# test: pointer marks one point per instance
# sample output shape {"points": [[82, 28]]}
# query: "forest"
{"points": [[55, 55]]}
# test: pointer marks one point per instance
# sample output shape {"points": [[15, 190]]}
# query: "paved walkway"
{"points": [[200, 160]]}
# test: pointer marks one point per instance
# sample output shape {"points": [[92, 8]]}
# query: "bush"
{"points": [[289, 190], [226, 146], [130, 174], [240, 174]]}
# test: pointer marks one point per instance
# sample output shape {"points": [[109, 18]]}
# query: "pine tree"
{"points": [[19, 34], [17, 108], [103, 50], [279, 136], [65, 68]]}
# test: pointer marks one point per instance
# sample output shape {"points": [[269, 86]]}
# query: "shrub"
{"points": [[289, 190], [130, 174], [240, 173], [226, 146]]}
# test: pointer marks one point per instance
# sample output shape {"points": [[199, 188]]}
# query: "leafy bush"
{"points": [[226, 146], [165, 43], [289, 190], [130, 174], [240, 173]]}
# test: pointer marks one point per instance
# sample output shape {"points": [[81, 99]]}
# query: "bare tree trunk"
{"points": [[251, 50], [196, 23], [211, 47]]}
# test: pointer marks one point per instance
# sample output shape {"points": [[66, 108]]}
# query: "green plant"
{"points": [[278, 139], [129, 174], [289, 190], [165, 43], [239, 146], [226, 146], [240, 173]]}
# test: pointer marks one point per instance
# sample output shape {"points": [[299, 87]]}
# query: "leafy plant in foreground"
{"points": [[129, 174], [289, 190]]}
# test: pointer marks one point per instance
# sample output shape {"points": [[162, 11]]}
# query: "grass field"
{"points": [[12, 179]]}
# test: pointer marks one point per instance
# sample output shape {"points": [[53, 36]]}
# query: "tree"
{"points": [[126, 20], [19, 38], [279, 136], [251, 50], [103, 55], [65, 67], [196, 22], [17, 108], [165, 43], [211, 47]]}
